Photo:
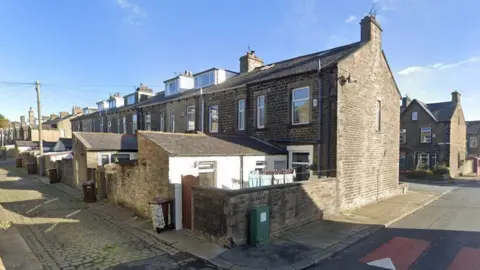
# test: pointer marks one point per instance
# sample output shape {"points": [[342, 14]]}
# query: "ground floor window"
{"points": [[403, 160], [206, 174], [300, 159], [425, 160]]}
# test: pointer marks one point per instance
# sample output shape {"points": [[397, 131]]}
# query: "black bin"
{"points": [[89, 192], [31, 168], [53, 176], [19, 163]]}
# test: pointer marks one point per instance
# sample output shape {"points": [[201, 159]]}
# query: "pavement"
{"points": [[444, 234], [58, 231]]}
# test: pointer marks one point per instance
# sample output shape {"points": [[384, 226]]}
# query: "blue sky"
{"points": [[82, 50]]}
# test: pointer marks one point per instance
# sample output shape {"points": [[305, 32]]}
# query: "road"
{"points": [[63, 233], [443, 235]]}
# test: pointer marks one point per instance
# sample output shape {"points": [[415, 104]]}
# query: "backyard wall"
{"points": [[65, 171], [221, 216]]}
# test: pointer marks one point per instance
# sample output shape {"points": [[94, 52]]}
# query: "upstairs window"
{"points": [[148, 123], [213, 118], [130, 99], [162, 121], [109, 126], [204, 79], [301, 106], [171, 87], [111, 104], [134, 123], [172, 121], [241, 115], [426, 135], [473, 143], [260, 111], [190, 117], [414, 116], [403, 136]]}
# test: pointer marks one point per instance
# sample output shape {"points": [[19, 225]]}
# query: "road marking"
{"points": [[401, 251], [383, 263], [467, 258]]}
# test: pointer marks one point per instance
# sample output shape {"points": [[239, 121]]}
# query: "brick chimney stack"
{"points": [[76, 110], [31, 117], [371, 30], [22, 121], [63, 114], [53, 116], [249, 62], [405, 102], [456, 97]]}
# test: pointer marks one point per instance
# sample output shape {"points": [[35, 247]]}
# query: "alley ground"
{"points": [[64, 234], [443, 235]]}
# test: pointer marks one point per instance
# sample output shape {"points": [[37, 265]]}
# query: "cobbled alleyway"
{"points": [[64, 234]]}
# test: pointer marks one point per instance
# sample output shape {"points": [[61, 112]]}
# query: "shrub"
{"points": [[441, 170], [420, 174]]}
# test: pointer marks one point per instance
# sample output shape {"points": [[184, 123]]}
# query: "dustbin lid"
{"points": [[88, 183]]}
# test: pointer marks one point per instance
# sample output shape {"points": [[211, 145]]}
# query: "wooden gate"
{"points": [[187, 182]]}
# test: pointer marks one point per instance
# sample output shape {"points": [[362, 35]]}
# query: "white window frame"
{"points": [[148, 122], [404, 133], [300, 149], [118, 125], [134, 123], [300, 99], [109, 126], [414, 116], [378, 115], [473, 142], [258, 112], [190, 114], [124, 125], [211, 79], [162, 121], [131, 100], [241, 114], [169, 90], [172, 120], [423, 155], [422, 141], [210, 119], [101, 124]]}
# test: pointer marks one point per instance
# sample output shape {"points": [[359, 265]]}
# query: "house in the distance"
{"points": [[473, 137], [432, 134]]}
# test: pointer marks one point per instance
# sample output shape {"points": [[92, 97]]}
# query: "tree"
{"points": [[2, 117]]}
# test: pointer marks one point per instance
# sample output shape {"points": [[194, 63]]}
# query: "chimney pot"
{"points": [[249, 62], [456, 97], [370, 29]]}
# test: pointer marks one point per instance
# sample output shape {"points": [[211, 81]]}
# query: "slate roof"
{"points": [[63, 144], [180, 144], [288, 67], [20, 143], [440, 112], [473, 127], [107, 141]]}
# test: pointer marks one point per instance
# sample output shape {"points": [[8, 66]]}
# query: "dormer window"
{"points": [[171, 87], [205, 79], [111, 104], [131, 100]]}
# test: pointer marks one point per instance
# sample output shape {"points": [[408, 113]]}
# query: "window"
{"points": [[261, 112], [171, 88], [162, 121], [241, 115], [109, 126], [62, 133], [433, 159], [206, 173], [148, 123], [119, 157], [301, 164], [301, 106], [130, 99], [101, 124], [118, 125], [414, 116], [191, 117], [134, 123], [124, 125], [111, 104], [85, 111], [473, 143], [423, 160], [105, 159], [172, 121], [204, 79], [378, 115], [403, 136], [213, 118], [425, 135], [260, 165]]}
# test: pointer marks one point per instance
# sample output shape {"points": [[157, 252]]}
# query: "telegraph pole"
{"points": [[40, 141]]}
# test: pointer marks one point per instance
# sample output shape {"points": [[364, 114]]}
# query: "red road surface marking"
{"points": [[402, 251], [467, 258]]}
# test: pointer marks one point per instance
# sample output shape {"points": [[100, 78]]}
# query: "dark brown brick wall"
{"points": [[180, 108]]}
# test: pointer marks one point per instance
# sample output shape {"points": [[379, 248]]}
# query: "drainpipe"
{"points": [[241, 171], [320, 106], [202, 105]]}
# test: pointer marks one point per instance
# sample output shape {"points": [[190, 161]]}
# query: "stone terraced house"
{"points": [[473, 137], [335, 113], [432, 134]]}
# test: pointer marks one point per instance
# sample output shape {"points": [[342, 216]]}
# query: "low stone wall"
{"points": [[65, 171], [222, 216]]}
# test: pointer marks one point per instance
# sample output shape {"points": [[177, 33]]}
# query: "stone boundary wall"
{"points": [[222, 216]]}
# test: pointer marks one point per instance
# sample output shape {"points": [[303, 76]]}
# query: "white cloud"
{"points": [[435, 82], [415, 69], [135, 12], [350, 19]]}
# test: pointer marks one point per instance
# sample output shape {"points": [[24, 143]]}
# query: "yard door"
{"points": [[187, 182]]}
